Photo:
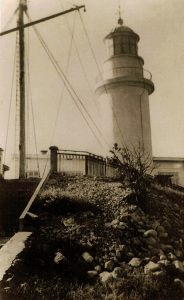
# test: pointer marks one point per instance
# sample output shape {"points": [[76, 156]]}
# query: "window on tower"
{"points": [[124, 45]]}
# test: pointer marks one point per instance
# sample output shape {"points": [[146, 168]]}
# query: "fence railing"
{"points": [[69, 162], [123, 72]]}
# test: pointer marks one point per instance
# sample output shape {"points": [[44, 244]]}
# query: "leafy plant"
{"points": [[135, 167]]}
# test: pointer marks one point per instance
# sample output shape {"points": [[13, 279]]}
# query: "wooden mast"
{"points": [[22, 146], [20, 27]]}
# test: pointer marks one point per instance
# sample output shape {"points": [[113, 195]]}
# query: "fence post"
{"points": [[53, 158]]}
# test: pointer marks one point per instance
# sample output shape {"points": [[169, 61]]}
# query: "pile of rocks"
{"points": [[122, 237], [106, 235]]}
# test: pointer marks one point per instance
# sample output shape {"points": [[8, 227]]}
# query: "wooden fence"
{"points": [[69, 162]]}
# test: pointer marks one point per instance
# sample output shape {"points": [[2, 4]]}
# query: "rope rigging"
{"points": [[80, 60], [63, 88], [9, 22], [66, 72], [69, 87], [29, 96], [10, 106]]}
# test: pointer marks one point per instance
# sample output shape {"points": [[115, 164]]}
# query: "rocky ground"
{"points": [[93, 241]]}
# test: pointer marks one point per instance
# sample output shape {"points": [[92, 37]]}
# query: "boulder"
{"points": [[123, 224], [105, 277], [164, 262], [122, 247], [151, 241], [155, 224], [92, 274], [163, 257], [9, 279], [124, 217], [155, 258], [109, 265], [98, 268], [59, 258], [166, 248], [151, 267], [179, 283], [87, 257], [178, 253], [118, 254], [150, 233], [171, 256], [179, 265], [135, 262], [160, 274], [166, 224], [68, 222], [129, 254], [108, 225], [115, 222], [118, 272], [120, 227], [163, 235], [136, 217], [160, 230], [154, 251]]}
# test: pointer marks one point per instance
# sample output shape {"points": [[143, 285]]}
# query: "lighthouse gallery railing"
{"points": [[124, 72]]}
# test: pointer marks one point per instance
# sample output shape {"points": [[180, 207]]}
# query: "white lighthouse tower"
{"points": [[123, 90]]}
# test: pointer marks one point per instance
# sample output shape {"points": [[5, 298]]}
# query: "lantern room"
{"points": [[122, 40]]}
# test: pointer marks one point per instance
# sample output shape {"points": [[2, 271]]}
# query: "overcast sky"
{"points": [[160, 25]]}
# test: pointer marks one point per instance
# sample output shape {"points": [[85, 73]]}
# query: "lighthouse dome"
{"points": [[122, 30]]}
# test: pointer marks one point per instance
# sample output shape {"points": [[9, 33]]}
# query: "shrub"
{"points": [[135, 166]]}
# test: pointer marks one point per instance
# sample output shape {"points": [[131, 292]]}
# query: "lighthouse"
{"points": [[123, 90]]}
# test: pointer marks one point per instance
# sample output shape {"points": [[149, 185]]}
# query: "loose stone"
{"points": [[179, 265], [87, 257], [109, 265], [92, 274], [59, 258], [135, 262], [151, 241], [98, 268], [171, 256], [105, 277], [151, 267], [118, 272], [150, 233], [118, 253], [163, 257], [179, 282], [160, 230]]}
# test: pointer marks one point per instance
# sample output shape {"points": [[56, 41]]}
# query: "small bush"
{"points": [[135, 167]]}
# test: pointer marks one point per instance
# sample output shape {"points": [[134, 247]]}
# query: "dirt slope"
{"points": [[92, 233]]}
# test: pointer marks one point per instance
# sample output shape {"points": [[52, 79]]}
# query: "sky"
{"points": [[57, 119]]}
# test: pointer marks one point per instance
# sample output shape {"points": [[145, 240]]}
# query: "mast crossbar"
{"points": [[42, 20]]}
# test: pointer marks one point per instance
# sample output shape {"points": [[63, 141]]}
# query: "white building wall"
{"points": [[125, 116], [170, 167]]}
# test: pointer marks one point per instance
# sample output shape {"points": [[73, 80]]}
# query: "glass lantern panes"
{"points": [[124, 45]]}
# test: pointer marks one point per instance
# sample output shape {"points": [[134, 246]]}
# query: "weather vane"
{"points": [[120, 20]]}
